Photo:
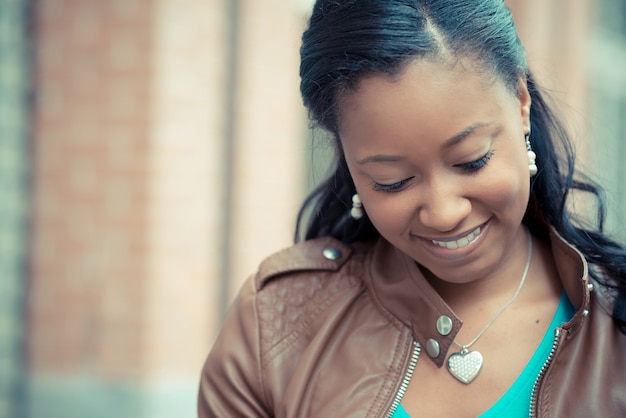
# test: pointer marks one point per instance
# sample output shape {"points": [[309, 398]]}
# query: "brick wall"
{"points": [[91, 149], [90, 162], [155, 121]]}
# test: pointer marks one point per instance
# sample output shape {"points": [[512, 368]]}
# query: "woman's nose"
{"points": [[443, 207]]}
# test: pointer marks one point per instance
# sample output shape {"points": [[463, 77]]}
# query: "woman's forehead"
{"points": [[422, 88]]}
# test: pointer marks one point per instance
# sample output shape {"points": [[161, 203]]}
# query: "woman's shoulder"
{"points": [[325, 256], [305, 283]]}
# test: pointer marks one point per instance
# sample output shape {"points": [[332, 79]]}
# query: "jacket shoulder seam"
{"points": [[321, 254]]}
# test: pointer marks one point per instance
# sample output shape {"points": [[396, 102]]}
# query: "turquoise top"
{"points": [[516, 401]]}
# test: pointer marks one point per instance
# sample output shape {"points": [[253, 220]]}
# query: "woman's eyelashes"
{"points": [[476, 165], [469, 167], [394, 187]]}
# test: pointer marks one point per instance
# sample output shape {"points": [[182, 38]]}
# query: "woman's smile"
{"points": [[457, 247], [455, 243]]}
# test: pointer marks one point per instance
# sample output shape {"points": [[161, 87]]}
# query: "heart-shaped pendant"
{"points": [[465, 366]]}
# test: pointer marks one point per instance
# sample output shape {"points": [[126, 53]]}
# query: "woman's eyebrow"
{"points": [[456, 138], [453, 140], [380, 159]]}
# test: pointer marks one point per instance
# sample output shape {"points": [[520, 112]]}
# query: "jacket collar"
{"points": [[399, 287]]}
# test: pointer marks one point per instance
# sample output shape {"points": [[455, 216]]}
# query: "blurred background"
{"points": [[152, 152]]}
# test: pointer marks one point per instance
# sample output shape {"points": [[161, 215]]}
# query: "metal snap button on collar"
{"points": [[432, 348], [331, 253], [444, 325]]}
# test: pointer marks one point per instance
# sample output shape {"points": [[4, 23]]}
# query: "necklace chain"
{"points": [[464, 348]]}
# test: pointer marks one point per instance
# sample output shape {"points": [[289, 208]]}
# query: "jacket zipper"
{"points": [[542, 372], [407, 379], [416, 353]]}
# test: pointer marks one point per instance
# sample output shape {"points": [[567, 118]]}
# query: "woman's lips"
{"points": [[457, 248], [454, 244]]}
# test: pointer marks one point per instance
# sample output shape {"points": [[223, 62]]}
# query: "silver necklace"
{"points": [[465, 365]]}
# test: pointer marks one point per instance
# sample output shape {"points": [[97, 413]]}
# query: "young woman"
{"points": [[441, 273]]}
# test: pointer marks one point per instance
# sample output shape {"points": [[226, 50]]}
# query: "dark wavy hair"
{"points": [[348, 39]]}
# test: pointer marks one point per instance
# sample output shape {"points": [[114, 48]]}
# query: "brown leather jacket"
{"points": [[323, 330]]}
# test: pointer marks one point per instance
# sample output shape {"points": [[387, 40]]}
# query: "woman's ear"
{"points": [[525, 102]]}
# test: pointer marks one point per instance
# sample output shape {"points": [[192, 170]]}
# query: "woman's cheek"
{"points": [[389, 212], [504, 192]]}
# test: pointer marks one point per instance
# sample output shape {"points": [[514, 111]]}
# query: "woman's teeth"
{"points": [[459, 243]]}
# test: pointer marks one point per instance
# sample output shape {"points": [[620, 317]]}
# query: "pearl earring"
{"points": [[532, 166], [357, 207]]}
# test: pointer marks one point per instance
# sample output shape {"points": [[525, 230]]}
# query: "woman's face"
{"points": [[438, 157]]}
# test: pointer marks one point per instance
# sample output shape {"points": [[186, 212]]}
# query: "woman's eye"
{"points": [[394, 187], [478, 164]]}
